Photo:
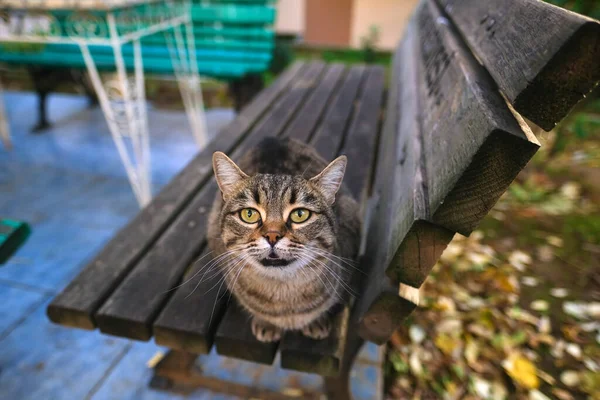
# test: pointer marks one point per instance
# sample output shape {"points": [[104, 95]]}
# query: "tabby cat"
{"points": [[286, 239]]}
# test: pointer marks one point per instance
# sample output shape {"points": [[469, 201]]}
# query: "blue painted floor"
{"points": [[69, 184]]}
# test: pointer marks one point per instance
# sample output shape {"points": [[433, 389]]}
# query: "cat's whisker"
{"points": [[333, 287], [315, 270], [200, 269], [231, 289], [337, 277], [192, 277], [225, 273], [313, 253], [242, 261], [349, 260], [326, 254], [214, 263]]}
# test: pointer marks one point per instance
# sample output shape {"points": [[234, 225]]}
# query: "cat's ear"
{"points": [[330, 179], [226, 172]]}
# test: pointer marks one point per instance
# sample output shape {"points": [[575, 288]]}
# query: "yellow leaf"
{"points": [[471, 351], [522, 371], [445, 343]]}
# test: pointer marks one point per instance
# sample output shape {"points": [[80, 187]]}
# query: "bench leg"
{"points": [[174, 371], [43, 123], [338, 388], [177, 372]]}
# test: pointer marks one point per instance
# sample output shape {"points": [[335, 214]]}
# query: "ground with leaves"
{"points": [[513, 311]]}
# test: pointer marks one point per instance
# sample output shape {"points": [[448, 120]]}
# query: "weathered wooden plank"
{"points": [[76, 304], [473, 146], [303, 125], [359, 144], [446, 159], [189, 320], [387, 312], [420, 249], [235, 338], [545, 59], [189, 323], [380, 308], [131, 309], [323, 357], [329, 137]]}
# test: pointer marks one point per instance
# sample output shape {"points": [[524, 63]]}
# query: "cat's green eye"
{"points": [[250, 215], [299, 215]]}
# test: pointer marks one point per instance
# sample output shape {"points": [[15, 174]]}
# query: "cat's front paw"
{"points": [[265, 332], [319, 329]]}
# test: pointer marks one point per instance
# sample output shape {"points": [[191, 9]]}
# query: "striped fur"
{"points": [[274, 178]]}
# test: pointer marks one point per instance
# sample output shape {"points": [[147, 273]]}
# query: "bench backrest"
{"points": [[451, 142]]}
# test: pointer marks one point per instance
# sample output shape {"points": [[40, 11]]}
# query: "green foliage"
{"points": [[585, 120], [582, 123], [369, 44], [590, 8]]}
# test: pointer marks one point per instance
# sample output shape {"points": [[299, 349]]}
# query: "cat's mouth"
{"points": [[273, 260]]}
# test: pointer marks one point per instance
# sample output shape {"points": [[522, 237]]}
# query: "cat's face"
{"points": [[278, 223]]}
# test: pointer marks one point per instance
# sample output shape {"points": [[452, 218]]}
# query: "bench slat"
{"points": [[329, 136], [361, 139], [131, 309], [467, 133], [302, 126], [325, 357], [379, 295], [544, 58], [189, 318], [235, 339], [76, 304], [470, 162]]}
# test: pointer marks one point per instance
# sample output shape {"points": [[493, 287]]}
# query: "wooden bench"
{"points": [[428, 158]]}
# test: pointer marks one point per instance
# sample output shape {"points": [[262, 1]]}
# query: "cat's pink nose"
{"points": [[273, 237]]}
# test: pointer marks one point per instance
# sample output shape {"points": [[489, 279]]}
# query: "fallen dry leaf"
{"points": [[522, 371], [559, 293], [570, 378], [446, 343]]}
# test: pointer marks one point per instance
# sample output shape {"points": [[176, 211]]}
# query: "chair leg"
{"points": [[42, 115], [4, 129], [44, 80]]}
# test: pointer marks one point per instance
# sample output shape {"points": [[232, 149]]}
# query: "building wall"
{"points": [[342, 23], [291, 17], [391, 16], [328, 23]]}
